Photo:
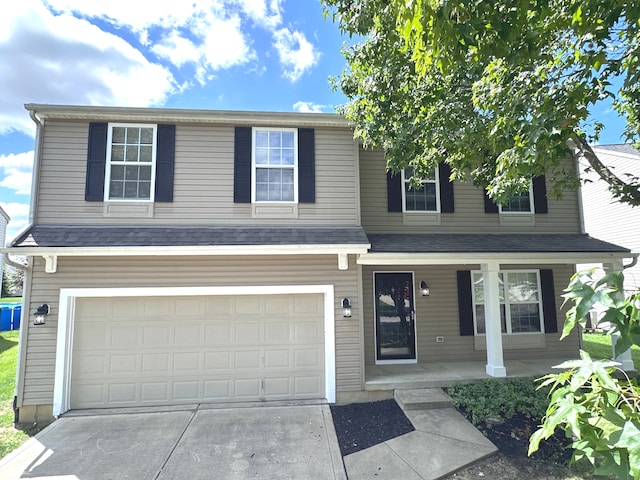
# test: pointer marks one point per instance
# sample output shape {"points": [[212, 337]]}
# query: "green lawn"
{"points": [[10, 437], [598, 345]]}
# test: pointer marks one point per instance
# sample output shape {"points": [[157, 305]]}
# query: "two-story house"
{"points": [[193, 256]]}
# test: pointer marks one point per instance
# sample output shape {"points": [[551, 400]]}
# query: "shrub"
{"points": [[499, 398]]}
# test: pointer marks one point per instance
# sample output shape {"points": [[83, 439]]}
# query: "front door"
{"points": [[395, 323]]}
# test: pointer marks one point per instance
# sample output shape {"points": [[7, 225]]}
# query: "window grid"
{"points": [[519, 203], [424, 199], [520, 302], [131, 155], [275, 165]]}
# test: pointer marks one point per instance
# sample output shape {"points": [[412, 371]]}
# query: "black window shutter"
{"points": [[548, 301], [242, 165], [489, 205], [96, 162], [394, 192], [165, 159], [446, 188], [306, 165], [540, 194], [465, 303]]}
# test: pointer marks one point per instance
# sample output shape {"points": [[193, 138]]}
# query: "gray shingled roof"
{"points": [[619, 148], [483, 243], [109, 236]]}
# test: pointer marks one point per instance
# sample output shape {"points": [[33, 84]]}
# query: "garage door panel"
{"points": [[277, 359], [187, 362], [122, 393], [218, 334], [220, 360], [123, 364], [307, 332], [252, 348]]}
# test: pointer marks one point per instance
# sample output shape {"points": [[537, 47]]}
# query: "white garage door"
{"points": [[156, 351]]}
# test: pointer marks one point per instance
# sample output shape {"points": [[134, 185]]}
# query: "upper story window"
{"points": [[519, 203], [423, 199], [131, 159], [275, 164], [520, 302]]}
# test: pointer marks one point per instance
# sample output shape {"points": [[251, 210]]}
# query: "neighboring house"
{"points": [[4, 220], [188, 256], [607, 218]]}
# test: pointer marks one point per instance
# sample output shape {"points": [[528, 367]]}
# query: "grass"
{"points": [[598, 345], [10, 437]]}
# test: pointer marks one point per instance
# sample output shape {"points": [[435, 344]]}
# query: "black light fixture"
{"points": [[346, 308], [424, 289], [40, 314]]}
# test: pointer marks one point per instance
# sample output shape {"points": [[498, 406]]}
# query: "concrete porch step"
{"points": [[422, 399]]}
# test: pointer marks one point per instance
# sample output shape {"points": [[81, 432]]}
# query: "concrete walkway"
{"points": [[443, 442]]}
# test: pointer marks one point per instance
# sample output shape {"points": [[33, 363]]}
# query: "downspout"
{"points": [[26, 293], [580, 202]]}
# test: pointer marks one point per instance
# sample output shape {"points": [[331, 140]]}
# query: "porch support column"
{"points": [[625, 357], [495, 361]]}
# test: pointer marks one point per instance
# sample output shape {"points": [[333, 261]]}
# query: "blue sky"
{"points": [[215, 54]]}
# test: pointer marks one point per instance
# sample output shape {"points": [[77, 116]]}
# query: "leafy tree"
{"points": [[12, 281], [500, 90], [592, 401]]}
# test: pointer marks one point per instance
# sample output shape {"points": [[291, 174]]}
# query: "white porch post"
{"points": [[625, 357], [495, 361]]}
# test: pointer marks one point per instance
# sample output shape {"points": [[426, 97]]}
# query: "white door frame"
{"points": [[66, 321]]}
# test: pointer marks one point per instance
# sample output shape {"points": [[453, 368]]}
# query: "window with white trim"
{"points": [[275, 164], [519, 202], [520, 302], [423, 199], [131, 158]]}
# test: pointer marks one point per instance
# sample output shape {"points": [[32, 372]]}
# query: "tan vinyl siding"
{"points": [[437, 315], [469, 216], [203, 181], [187, 271]]}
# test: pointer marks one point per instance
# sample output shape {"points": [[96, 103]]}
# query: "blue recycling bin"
{"points": [[10, 316]]}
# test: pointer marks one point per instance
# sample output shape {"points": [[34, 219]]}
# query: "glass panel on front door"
{"points": [[395, 319]]}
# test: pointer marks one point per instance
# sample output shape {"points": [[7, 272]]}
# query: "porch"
{"points": [[425, 375]]}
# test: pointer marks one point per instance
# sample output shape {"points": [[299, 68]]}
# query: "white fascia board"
{"points": [[177, 115], [464, 258], [203, 250]]}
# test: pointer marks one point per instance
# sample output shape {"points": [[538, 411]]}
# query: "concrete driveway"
{"points": [[197, 441]]}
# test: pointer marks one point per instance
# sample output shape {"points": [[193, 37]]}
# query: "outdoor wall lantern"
{"points": [[346, 308], [40, 314], [424, 289]]}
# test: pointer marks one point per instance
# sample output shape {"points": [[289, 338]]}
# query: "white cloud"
{"points": [[307, 107], [19, 214], [16, 172], [65, 60], [296, 53], [267, 14]]}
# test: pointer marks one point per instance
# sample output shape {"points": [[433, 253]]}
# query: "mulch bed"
{"points": [[363, 425]]}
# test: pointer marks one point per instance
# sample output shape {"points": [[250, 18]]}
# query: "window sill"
{"points": [[128, 209], [274, 210], [514, 219], [421, 218], [514, 341]]}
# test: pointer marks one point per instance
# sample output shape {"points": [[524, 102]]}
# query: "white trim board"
{"points": [[66, 318]]}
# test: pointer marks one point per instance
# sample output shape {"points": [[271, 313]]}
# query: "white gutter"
{"points": [[51, 254], [474, 258], [177, 115], [580, 201]]}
